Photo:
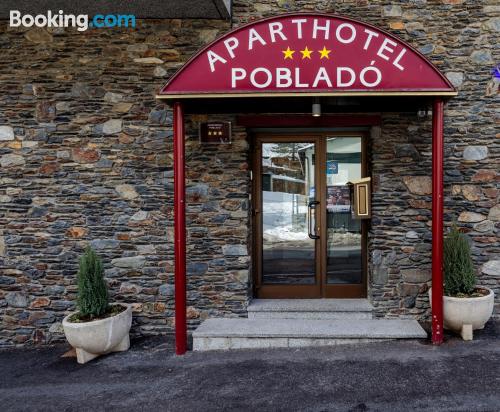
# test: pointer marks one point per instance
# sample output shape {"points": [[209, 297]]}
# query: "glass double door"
{"points": [[306, 242]]}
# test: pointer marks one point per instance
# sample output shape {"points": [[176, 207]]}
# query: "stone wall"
{"points": [[461, 38], [85, 156], [400, 234]]}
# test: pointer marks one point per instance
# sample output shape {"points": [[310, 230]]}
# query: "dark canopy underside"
{"points": [[270, 105]]}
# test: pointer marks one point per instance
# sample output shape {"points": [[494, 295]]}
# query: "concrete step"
{"points": [[239, 333], [310, 309]]}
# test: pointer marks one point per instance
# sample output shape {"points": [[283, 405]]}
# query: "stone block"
{"points": [[456, 78], [427, 49], [148, 60], [55, 290], [416, 29], [38, 35], [414, 275], [158, 116], [169, 55], [139, 216], [6, 133], [484, 226], [482, 57], [392, 11], [45, 111], [418, 185], [380, 275], [408, 289], [5, 280], [12, 160], [411, 234], [197, 193], [396, 25], [85, 155], [130, 288], [40, 302], [494, 213], [62, 107], [112, 126], [166, 290], [146, 249], [16, 300], [241, 276], [207, 35], [159, 72], [406, 150], [234, 250], [471, 217], [475, 153], [471, 192], [197, 268], [100, 244], [484, 175], [262, 7], [492, 24], [63, 304], [111, 97], [76, 232], [231, 204], [192, 312], [127, 191], [491, 268], [122, 107], [49, 168], [132, 262], [56, 327]]}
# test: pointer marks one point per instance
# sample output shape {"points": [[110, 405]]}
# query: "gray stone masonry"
{"points": [[86, 157]]}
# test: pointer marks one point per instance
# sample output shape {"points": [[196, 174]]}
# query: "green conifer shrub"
{"points": [[92, 289], [459, 277]]}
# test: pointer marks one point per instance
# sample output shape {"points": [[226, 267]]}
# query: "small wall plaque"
{"points": [[215, 133]]}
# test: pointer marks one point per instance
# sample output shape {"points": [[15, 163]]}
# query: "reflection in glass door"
{"points": [[288, 250], [344, 234], [307, 244]]}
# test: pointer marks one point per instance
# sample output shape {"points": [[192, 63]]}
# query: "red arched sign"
{"points": [[307, 54]]}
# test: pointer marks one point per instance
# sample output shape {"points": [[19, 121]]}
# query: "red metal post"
{"points": [[180, 231], [437, 221]]}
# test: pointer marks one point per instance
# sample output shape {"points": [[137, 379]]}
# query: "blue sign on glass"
{"points": [[332, 167]]}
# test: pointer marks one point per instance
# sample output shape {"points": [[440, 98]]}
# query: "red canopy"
{"points": [[308, 54]]}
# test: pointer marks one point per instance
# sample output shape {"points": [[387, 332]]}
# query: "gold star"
{"points": [[288, 53], [324, 53], [306, 53]]}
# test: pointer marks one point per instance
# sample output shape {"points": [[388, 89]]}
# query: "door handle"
{"points": [[310, 206]]}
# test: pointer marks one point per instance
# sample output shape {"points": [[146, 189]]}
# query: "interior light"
{"points": [[316, 107]]}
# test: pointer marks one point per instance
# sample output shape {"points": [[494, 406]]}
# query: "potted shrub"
{"points": [[98, 327], [466, 306]]}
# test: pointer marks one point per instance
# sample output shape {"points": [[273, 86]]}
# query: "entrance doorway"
{"points": [[306, 242]]}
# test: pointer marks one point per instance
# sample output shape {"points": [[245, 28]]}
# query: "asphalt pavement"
{"points": [[385, 376]]}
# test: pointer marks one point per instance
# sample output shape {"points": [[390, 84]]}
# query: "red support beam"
{"points": [[180, 231], [437, 221]]}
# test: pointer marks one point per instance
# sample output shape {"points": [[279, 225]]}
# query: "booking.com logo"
{"points": [[80, 21]]}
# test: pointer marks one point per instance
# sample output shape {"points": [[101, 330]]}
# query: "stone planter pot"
{"points": [[98, 337], [464, 315]]}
